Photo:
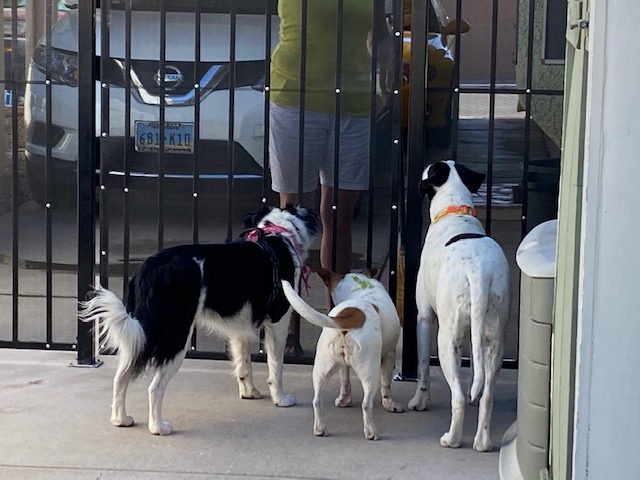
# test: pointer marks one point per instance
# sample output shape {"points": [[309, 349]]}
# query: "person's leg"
{"points": [[341, 224]]}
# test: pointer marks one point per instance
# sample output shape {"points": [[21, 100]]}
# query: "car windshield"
{"points": [[207, 6]]}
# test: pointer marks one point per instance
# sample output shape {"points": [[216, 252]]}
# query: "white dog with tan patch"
{"points": [[463, 281], [361, 332]]}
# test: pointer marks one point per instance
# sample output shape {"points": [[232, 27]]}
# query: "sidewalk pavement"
{"points": [[55, 424]]}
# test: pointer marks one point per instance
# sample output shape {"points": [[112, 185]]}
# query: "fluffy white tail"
{"points": [[346, 317], [117, 330], [479, 304]]}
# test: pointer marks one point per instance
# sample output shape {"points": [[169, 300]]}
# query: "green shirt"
{"points": [[321, 56]]}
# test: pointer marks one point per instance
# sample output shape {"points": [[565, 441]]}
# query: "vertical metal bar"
{"points": [[232, 103], [397, 172], [48, 186], [336, 145], [14, 180], [197, 75], [105, 12], [126, 154], [163, 64], [492, 115], [267, 96], [416, 150], [86, 169], [303, 82], [527, 118], [455, 96]]}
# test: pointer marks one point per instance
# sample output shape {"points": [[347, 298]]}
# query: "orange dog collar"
{"points": [[455, 210]]}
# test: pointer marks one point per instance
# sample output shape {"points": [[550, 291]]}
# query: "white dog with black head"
{"points": [[463, 281]]}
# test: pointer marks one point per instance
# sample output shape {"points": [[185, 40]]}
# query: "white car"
{"points": [[142, 141]]}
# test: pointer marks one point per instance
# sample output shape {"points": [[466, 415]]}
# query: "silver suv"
{"points": [[182, 79]]}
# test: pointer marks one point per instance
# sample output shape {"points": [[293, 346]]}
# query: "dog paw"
{"points": [[420, 400], [391, 406], [284, 400], [320, 430], [371, 434], [163, 428], [447, 440], [343, 401], [482, 443], [125, 421], [253, 395]]}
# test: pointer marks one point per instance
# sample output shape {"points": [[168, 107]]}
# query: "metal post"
{"points": [[86, 173]]}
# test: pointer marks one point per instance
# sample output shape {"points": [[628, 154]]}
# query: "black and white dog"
{"points": [[231, 289], [463, 280]]}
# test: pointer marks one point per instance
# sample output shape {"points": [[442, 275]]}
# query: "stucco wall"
{"points": [[546, 111]]}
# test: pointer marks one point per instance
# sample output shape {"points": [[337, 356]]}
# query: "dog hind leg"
{"points": [[493, 362], [422, 396], [275, 341], [344, 398], [370, 385], [449, 354], [322, 372], [386, 376], [121, 381], [157, 389], [242, 368]]}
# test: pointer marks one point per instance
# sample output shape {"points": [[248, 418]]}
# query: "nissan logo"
{"points": [[172, 77]]}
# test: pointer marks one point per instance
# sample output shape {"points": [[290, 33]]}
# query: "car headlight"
{"points": [[63, 65]]}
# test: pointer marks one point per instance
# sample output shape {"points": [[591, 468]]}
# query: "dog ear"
{"points": [[436, 175], [370, 272], [329, 277], [472, 180], [252, 219]]}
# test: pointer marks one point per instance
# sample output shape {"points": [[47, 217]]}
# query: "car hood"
{"points": [[180, 35]]}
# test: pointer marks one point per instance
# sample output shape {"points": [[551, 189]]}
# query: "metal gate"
{"points": [[146, 125]]}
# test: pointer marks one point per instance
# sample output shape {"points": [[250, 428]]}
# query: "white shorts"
{"points": [[319, 150]]}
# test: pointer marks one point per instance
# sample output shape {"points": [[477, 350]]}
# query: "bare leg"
{"points": [[347, 200], [121, 381], [275, 336], [241, 361]]}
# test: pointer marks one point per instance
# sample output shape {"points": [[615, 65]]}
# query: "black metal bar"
{"points": [[163, 69], [267, 96], [126, 154], [48, 186], [197, 75], [455, 96], [336, 128], [416, 151], [303, 82], [103, 241], [86, 169], [232, 119], [527, 119], [492, 116], [15, 224]]}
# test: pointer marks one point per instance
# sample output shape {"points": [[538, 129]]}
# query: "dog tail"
{"points": [[479, 304], [344, 318], [118, 330]]}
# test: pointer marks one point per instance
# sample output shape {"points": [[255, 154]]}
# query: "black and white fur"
{"points": [[231, 289], [463, 281]]}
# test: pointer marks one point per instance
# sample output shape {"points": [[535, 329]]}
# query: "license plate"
{"points": [[178, 137]]}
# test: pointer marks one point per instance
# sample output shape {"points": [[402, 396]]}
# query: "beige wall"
{"points": [[475, 54]]}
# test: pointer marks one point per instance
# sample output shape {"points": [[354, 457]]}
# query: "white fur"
{"points": [[368, 350], [465, 286]]}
